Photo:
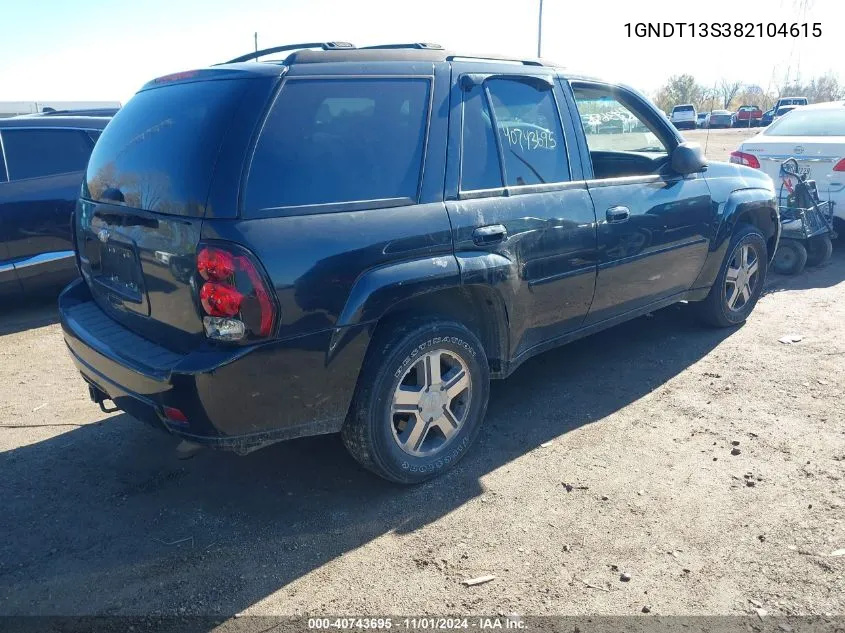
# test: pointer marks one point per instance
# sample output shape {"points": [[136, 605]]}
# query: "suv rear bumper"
{"points": [[233, 398]]}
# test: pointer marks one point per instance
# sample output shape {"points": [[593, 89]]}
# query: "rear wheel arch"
{"points": [[477, 307]]}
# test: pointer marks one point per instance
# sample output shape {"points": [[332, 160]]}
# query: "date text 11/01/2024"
{"points": [[421, 623], [723, 29]]}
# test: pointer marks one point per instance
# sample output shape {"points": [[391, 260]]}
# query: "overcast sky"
{"points": [[105, 50]]}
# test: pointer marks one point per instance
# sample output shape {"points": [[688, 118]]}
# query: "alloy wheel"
{"points": [[742, 277], [430, 403]]}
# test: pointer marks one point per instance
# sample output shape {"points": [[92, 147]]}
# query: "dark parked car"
{"points": [[768, 116], [42, 160], [357, 240]]}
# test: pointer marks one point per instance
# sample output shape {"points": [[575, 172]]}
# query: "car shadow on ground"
{"points": [[109, 505], [27, 313]]}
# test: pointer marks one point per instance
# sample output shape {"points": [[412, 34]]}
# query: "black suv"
{"points": [[356, 240], [42, 160]]}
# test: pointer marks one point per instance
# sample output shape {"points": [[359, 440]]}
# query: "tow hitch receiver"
{"points": [[100, 397]]}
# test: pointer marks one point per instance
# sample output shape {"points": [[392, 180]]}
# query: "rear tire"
{"points": [[410, 422], [740, 281], [819, 250], [790, 258]]}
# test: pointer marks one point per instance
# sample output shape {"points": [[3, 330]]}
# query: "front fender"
{"points": [[757, 206]]}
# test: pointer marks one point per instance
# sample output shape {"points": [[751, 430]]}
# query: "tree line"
{"points": [[730, 95]]}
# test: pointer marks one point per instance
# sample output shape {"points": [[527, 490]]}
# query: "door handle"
{"points": [[617, 214], [489, 234]]}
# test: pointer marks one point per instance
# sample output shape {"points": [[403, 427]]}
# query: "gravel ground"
{"points": [[719, 144], [608, 456]]}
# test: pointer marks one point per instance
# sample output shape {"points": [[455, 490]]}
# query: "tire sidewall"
{"points": [[799, 257], [750, 236], [449, 337], [819, 250]]}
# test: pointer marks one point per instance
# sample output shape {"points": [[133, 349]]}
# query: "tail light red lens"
{"points": [[840, 166], [215, 264], [749, 160], [234, 295], [220, 299]]}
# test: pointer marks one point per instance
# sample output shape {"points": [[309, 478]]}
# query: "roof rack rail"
{"points": [[80, 112], [496, 58], [420, 45], [326, 46]]}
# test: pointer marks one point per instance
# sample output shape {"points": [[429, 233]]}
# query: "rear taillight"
{"points": [[749, 160], [220, 300], [840, 166], [215, 264], [234, 296]]}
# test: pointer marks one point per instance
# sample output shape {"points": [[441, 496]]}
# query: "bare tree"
{"points": [[679, 89], [728, 90]]}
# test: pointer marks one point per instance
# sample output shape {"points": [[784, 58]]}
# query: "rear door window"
{"points": [[480, 167], [37, 153], [340, 140], [159, 150], [530, 132]]}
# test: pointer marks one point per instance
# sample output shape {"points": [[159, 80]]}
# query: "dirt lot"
{"points": [[610, 455], [719, 143]]}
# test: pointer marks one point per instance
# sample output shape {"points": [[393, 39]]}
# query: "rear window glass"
{"points": [[37, 153], [810, 122], [340, 140], [683, 108], [159, 150]]}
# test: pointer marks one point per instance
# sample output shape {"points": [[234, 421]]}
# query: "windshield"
{"points": [[809, 122]]}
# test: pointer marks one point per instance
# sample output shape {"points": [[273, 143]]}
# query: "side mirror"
{"points": [[687, 158]]}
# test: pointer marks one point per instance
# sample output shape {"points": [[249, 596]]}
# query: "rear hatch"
{"points": [[144, 197], [682, 114]]}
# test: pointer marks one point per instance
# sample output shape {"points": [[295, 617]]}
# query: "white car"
{"points": [[683, 116], [815, 136]]}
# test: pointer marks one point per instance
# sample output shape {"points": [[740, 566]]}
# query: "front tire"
{"points": [[790, 258], [740, 281], [421, 398]]}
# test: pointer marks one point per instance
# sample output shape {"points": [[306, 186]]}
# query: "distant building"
{"points": [[14, 108]]}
